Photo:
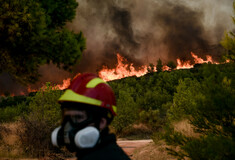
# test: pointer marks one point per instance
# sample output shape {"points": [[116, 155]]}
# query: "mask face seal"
{"points": [[75, 135], [87, 137], [55, 137]]}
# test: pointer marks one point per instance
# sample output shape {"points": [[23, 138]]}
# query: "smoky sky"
{"points": [[143, 32], [183, 29]]}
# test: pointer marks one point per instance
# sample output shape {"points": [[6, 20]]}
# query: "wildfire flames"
{"points": [[121, 71], [66, 83], [197, 60], [127, 70]]}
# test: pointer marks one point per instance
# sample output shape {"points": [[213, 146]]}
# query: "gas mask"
{"points": [[75, 135]]}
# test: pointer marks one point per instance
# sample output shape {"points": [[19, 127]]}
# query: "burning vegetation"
{"points": [[156, 101], [140, 31], [126, 70], [143, 33]]}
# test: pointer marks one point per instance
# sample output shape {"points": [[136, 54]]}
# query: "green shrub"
{"points": [[151, 118], [211, 112], [12, 101], [153, 98], [126, 113], [211, 147], [37, 126], [184, 100], [12, 113]]}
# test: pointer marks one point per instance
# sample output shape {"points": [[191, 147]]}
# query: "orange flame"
{"points": [[31, 90], [22, 93], [126, 70], [165, 68], [11, 95], [66, 83], [197, 60], [183, 65], [121, 71]]}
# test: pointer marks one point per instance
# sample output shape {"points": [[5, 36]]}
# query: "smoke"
{"points": [[143, 31], [49, 73], [8, 85]]}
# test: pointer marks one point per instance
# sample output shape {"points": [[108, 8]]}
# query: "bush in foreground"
{"points": [[211, 114], [37, 126]]}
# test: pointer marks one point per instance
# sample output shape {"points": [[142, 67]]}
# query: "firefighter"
{"points": [[88, 107]]}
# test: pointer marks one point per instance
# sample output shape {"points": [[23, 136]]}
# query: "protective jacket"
{"points": [[107, 149]]}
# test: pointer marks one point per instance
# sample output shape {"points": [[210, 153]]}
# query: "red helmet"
{"points": [[90, 89]]}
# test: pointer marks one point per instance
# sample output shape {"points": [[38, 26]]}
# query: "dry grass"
{"points": [[135, 132], [9, 147], [11, 138], [152, 152], [185, 128]]}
